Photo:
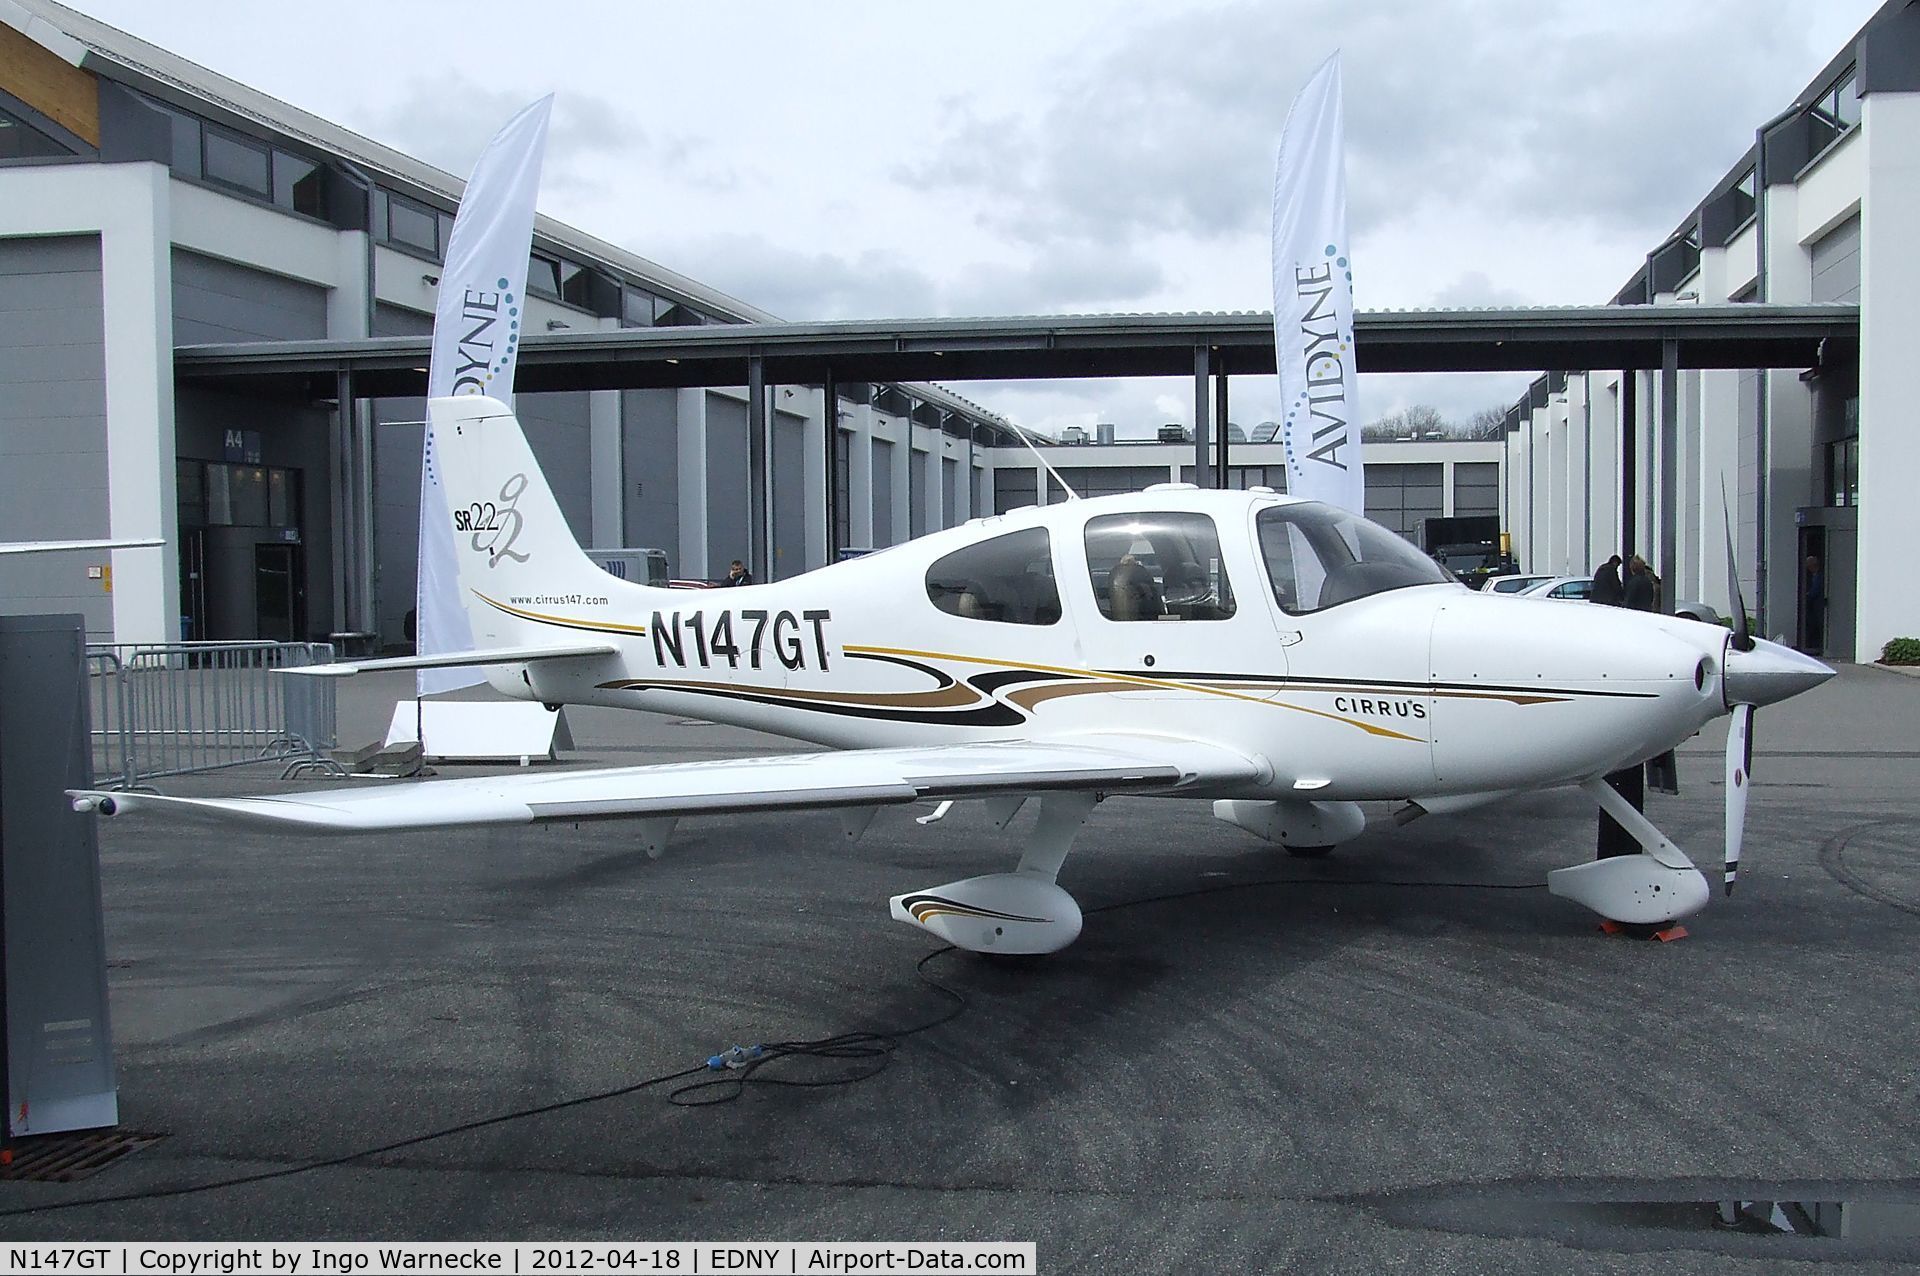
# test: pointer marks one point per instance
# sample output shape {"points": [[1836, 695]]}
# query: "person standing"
{"points": [[1638, 592], [1816, 632], [1606, 584], [737, 574]]}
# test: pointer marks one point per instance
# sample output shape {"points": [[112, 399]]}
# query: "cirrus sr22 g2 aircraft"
{"points": [[1278, 658]]}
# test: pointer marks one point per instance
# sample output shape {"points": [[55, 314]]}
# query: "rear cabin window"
{"points": [[1157, 567], [1008, 579]]}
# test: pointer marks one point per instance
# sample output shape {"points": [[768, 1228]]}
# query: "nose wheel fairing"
{"points": [[1658, 885]]}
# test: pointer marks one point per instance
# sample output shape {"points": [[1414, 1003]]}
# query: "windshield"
{"points": [[1319, 557]]}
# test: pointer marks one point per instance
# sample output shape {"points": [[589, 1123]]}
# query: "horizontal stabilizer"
{"points": [[457, 659], [803, 781]]}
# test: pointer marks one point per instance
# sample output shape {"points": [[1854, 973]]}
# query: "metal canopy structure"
{"points": [[1058, 347], [1209, 347]]}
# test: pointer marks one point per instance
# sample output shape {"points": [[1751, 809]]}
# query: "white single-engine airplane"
{"points": [[1280, 658]]}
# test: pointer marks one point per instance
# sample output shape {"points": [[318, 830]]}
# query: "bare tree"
{"points": [[1487, 423]]}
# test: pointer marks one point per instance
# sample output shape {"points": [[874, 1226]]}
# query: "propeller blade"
{"points": [[1739, 775], [1742, 633]]}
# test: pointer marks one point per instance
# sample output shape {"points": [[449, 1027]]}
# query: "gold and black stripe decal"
{"points": [[925, 907]]}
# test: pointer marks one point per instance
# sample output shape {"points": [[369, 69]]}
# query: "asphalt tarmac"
{"points": [[1408, 1056]]}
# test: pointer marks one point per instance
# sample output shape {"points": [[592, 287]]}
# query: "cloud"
{"points": [[1578, 115], [800, 285], [447, 119], [1475, 289]]}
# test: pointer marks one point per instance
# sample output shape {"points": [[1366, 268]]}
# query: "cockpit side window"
{"points": [[1008, 579], [1158, 566], [1319, 557]]}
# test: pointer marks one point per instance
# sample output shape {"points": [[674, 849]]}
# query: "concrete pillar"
{"points": [[1787, 411], [136, 272], [860, 477], [607, 469], [1889, 607], [903, 483], [812, 401], [1520, 452], [1560, 469], [1540, 489], [1603, 443]]}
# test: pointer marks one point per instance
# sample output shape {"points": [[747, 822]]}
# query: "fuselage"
{"points": [[1277, 627]]}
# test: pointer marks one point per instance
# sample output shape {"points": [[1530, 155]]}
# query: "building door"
{"points": [[279, 597], [1810, 594]]}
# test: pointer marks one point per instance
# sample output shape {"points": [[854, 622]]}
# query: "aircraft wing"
{"points": [[860, 777], [55, 547]]}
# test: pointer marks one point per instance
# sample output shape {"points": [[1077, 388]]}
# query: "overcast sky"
{"points": [[883, 159]]}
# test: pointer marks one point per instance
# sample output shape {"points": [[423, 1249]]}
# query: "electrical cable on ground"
{"points": [[871, 1052]]}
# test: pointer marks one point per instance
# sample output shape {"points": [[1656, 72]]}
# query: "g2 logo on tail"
{"points": [[495, 527]]}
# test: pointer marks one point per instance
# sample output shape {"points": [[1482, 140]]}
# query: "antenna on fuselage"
{"points": [[1028, 440]]}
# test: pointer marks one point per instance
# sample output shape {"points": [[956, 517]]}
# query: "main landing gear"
{"points": [[1017, 913]]}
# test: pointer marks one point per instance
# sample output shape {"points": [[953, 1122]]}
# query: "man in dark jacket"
{"points": [[1606, 584], [1639, 592]]}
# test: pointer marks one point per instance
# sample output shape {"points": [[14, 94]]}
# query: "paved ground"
{"points": [[1409, 1056]]}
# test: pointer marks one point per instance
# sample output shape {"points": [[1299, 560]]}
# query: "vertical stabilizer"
{"points": [[521, 570]]}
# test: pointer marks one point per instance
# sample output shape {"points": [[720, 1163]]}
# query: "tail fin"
{"points": [[521, 570]]}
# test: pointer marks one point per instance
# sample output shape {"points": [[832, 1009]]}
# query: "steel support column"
{"points": [[1629, 462], [836, 499], [1669, 456], [1202, 369], [758, 533], [1220, 417]]}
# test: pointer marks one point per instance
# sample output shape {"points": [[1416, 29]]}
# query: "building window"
{"points": [[576, 284], [20, 140], [679, 316], [1837, 111], [240, 495], [240, 162], [1843, 472], [1007, 579], [413, 224], [299, 184], [543, 276], [1839, 107], [638, 308], [1157, 566]]}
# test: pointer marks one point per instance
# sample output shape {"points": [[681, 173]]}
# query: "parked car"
{"points": [[1577, 588], [1580, 589], [1515, 584]]}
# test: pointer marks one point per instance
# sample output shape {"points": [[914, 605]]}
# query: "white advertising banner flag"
{"points": [[476, 340], [1313, 298]]}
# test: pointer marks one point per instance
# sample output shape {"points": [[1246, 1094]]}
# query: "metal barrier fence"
{"points": [[177, 708]]}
